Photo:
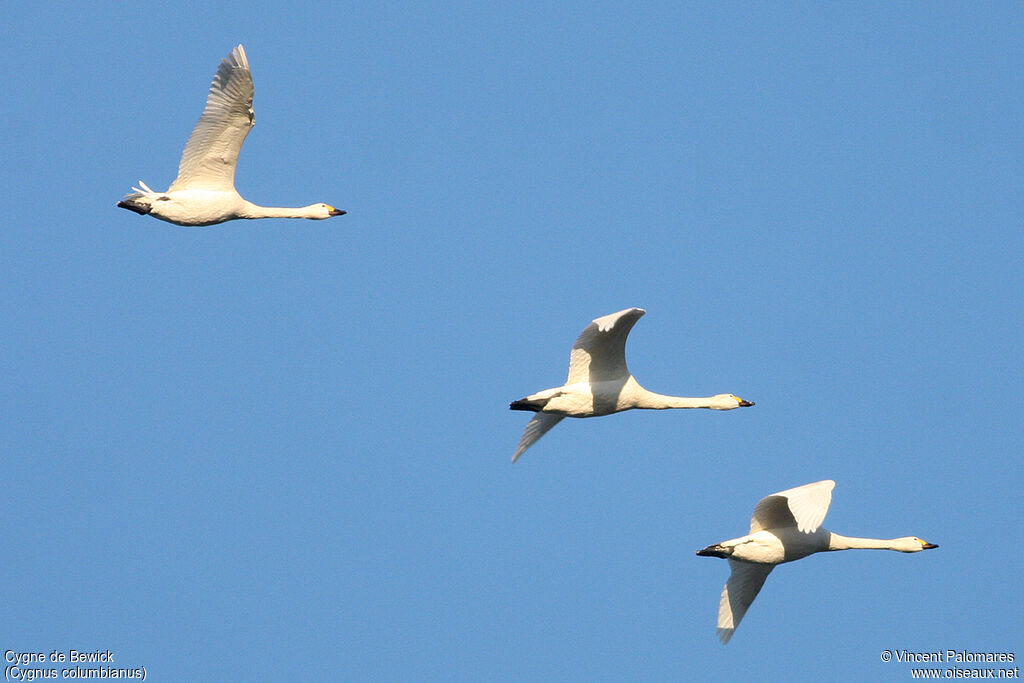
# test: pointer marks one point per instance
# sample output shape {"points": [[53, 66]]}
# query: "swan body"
{"points": [[204, 191], [600, 383], [785, 526]]}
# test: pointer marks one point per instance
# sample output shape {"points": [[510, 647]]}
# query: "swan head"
{"points": [[912, 544], [321, 211], [728, 402]]}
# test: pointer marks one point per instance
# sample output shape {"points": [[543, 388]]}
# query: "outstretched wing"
{"points": [[804, 507], [211, 154], [743, 585], [536, 428], [599, 353]]}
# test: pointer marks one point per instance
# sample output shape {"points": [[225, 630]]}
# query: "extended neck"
{"points": [[651, 400], [837, 542], [256, 211]]}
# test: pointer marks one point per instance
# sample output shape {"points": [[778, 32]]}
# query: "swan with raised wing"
{"points": [[204, 191], [599, 383], [785, 526]]}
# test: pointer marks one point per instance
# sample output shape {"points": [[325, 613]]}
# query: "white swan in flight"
{"points": [[786, 526], [599, 382], [204, 191]]}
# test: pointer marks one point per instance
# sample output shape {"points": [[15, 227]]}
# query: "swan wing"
{"points": [[599, 353], [211, 153], [743, 585], [804, 507], [536, 428]]}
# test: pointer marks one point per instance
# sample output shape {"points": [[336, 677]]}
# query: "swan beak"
{"points": [[716, 550], [336, 212], [928, 546], [744, 403]]}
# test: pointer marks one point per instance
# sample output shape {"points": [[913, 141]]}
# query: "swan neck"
{"points": [[837, 542], [256, 211], [649, 399]]}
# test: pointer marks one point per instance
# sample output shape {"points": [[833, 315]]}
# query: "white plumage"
{"points": [[204, 191], [785, 526], [599, 382]]}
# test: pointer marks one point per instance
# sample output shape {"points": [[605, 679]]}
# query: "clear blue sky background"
{"points": [[279, 450]]}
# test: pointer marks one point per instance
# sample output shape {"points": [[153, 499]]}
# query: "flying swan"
{"points": [[204, 191], [786, 526], [599, 382]]}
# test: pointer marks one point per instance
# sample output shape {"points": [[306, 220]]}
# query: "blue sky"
{"points": [[279, 450]]}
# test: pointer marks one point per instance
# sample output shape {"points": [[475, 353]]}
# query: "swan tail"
{"points": [[137, 203], [533, 406], [716, 550], [140, 200]]}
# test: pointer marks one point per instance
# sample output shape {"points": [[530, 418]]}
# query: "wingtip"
{"points": [[239, 57]]}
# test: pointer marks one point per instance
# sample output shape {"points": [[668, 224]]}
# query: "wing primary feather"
{"points": [[803, 507], [536, 428], [211, 153], [745, 581], [599, 353]]}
